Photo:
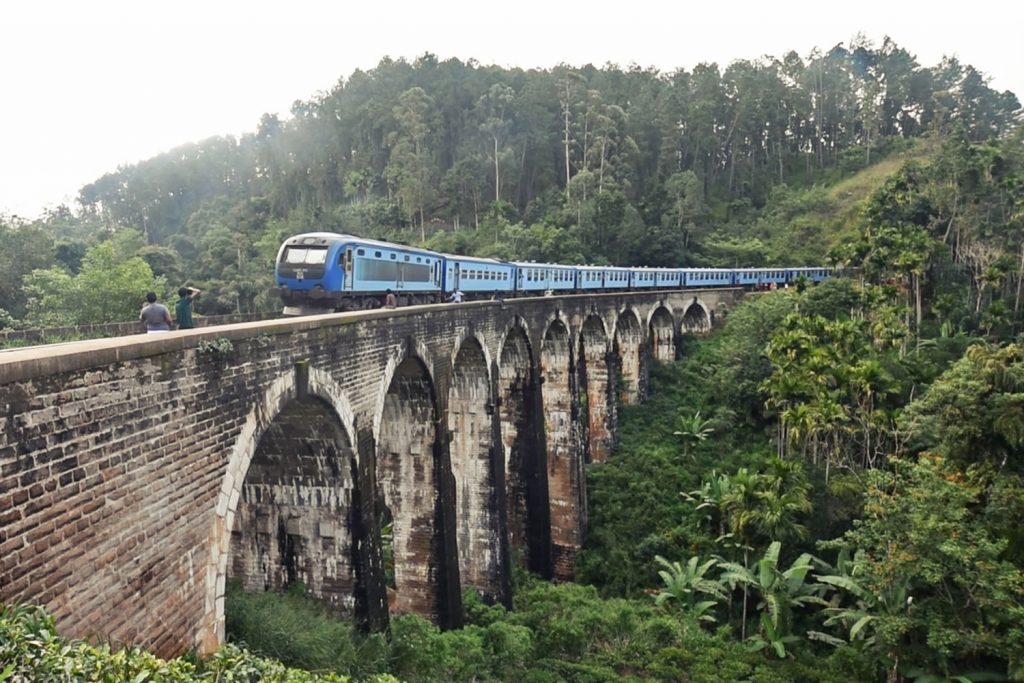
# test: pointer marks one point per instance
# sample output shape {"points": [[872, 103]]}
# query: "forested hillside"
{"points": [[733, 165]]}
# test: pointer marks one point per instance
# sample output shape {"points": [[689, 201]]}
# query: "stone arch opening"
{"points": [[597, 393], [629, 353], [470, 411], [526, 484], [662, 335], [406, 474], [696, 319], [566, 485], [294, 521]]}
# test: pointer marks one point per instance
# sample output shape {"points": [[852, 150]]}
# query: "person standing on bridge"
{"points": [[156, 316], [456, 296], [390, 300], [183, 309]]}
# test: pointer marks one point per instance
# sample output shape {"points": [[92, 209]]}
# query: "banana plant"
{"points": [[779, 592], [683, 584]]}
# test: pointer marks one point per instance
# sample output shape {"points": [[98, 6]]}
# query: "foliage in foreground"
{"points": [[31, 651], [556, 634]]}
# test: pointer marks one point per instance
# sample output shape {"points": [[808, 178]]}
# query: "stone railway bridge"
{"points": [[387, 459]]}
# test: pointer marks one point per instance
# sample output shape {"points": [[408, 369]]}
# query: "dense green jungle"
{"points": [[828, 488]]}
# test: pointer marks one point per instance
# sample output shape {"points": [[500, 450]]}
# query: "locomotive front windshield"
{"points": [[309, 255]]}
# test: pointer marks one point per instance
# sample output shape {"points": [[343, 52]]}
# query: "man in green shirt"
{"points": [[183, 309]]}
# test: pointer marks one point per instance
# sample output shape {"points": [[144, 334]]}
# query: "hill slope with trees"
{"points": [[743, 165]]}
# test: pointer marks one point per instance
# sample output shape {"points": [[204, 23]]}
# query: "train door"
{"points": [[458, 273], [437, 273], [346, 262]]}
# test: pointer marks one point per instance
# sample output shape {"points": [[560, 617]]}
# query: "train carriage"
{"points": [[642, 278], [760, 278], [591, 278], [478, 277], [707, 277], [544, 277], [810, 274], [668, 278]]}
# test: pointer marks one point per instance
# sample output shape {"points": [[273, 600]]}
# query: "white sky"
{"points": [[88, 85]]}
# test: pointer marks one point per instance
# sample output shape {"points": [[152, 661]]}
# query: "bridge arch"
{"points": [[293, 397], [597, 389], [628, 348], [470, 424], [696, 318], [661, 328]]}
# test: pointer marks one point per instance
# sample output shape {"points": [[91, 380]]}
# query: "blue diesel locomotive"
{"points": [[320, 272]]}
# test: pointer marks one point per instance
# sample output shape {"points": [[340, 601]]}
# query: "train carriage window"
{"points": [[419, 260], [360, 252], [406, 257], [394, 257], [370, 270], [416, 272], [377, 254]]}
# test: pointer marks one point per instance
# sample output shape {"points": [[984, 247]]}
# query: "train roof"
{"points": [[340, 237], [535, 264], [479, 259]]}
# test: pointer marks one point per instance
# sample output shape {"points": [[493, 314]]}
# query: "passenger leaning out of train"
{"points": [[456, 296], [390, 300]]}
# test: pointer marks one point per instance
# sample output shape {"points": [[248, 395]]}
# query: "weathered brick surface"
{"points": [[662, 333], [138, 474], [629, 348], [598, 386]]}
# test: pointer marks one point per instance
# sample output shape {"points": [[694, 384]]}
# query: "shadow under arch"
{"points": [[661, 328], [317, 394], [696, 318], [627, 345]]}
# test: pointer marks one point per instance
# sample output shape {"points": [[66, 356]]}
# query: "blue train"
{"points": [[319, 272]]}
